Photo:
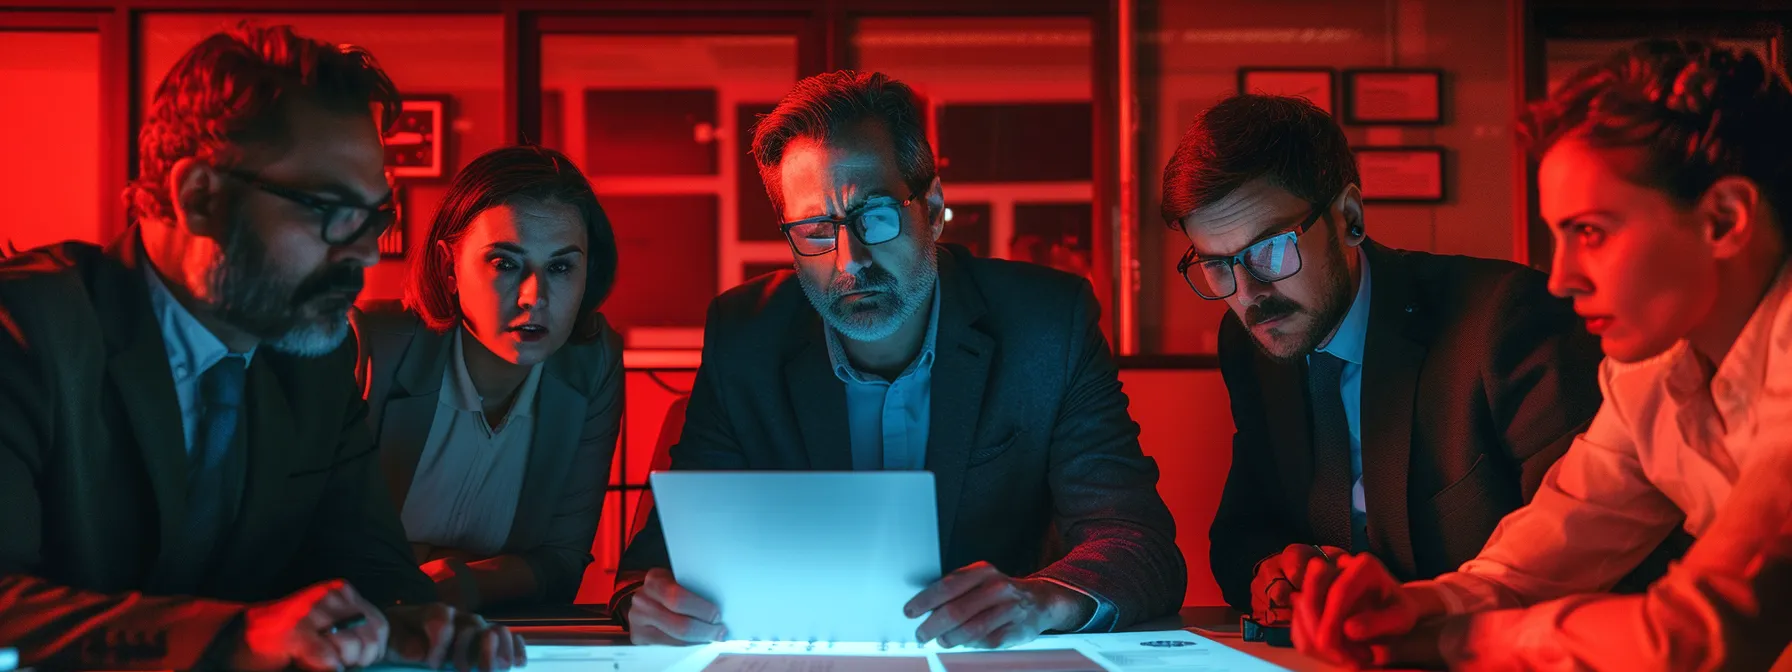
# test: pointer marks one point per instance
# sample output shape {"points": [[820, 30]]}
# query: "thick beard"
{"points": [[1333, 304], [250, 295], [910, 296]]}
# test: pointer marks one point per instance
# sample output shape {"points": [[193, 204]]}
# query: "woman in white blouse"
{"points": [[495, 390], [1666, 177]]}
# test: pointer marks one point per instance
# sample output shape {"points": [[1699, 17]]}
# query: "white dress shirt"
{"points": [[1672, 440], [470, 476]]}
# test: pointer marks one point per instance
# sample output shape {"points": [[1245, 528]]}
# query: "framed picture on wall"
{"points": [[1411, 97], [1402, 174], [1314, 84], [393, 239], [417, 146]]}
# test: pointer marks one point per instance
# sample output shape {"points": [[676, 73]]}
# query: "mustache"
{"points": [[1269, 308], [871, 278], [346, 279]]}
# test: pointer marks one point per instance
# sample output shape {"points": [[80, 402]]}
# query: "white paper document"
{"points": [[1164, 651], [778, 662], [1177, 650], [601, 658]]}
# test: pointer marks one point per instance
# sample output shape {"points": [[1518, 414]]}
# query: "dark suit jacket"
{"points": [[1036, 461], [93, 469], [577, 418], [1475, 380]]}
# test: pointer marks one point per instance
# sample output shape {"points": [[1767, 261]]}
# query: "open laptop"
{"points": [[803, 556]]}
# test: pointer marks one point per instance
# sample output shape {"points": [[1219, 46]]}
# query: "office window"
{"points": [[661, 123], [1009, 115], [455, 59], [50, 136]]}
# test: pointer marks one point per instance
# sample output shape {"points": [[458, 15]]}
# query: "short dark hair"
{"points": [[1697, 111], [1291, 141], [508, 175], [232, 89], [824, 104]]}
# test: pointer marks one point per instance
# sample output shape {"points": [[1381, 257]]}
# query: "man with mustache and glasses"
{"points": [[883, 350], [185, 473], [1385, 401]]}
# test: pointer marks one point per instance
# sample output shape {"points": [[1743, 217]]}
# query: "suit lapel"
{"points": [[405, 420], [961, 364], [138, 369], [145, 386], [559, 419], [818, 399], [1393, 356]]}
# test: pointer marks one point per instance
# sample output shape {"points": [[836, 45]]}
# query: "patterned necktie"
{"points": [[209, 505], [1328, 504]]}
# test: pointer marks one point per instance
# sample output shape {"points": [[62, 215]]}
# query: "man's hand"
{"points": [[1280, 576], [1354, 613], [980, 606], [433, 635], [294, 631], [663, 612]]}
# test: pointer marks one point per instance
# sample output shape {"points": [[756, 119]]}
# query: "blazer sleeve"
{"points": [[706, 442], [355, 534], [559, 562], [1121, 538], [58, 626], [1250, 524]]}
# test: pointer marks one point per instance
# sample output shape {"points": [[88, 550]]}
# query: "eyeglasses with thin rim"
{"points": [[343, 223], [1272, 259], [877, 220]]}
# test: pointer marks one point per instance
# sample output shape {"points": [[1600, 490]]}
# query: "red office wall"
{"points": [[1185, 423], [49, 137]]}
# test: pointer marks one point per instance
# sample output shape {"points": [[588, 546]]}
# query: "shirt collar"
{"points": [[1735, 382], [458, 390], [192, 348], [1353, 331], [843, 368]]}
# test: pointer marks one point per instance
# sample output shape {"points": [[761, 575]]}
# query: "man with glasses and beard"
{"points": [[185, 473], [1385, 401], [881, 350]]}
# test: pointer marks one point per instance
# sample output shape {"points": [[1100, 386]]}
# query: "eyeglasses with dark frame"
{"points": [[343, 223], [1272, 259], [877, 220]]}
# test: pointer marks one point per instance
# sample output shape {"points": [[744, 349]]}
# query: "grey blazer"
{"points": [[578, 418]]}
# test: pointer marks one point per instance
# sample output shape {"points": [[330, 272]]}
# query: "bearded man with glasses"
{"points": [[1384, 401], [186, 475], [882, 350]]}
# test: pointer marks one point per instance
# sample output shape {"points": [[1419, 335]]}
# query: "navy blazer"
{"points": [[1035, 459], [1475, 380], [93, 469]]}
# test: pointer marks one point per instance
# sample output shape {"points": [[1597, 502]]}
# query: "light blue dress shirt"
{"points": [[1347, 344], [192, 349], [888, 423], [888, 420]]}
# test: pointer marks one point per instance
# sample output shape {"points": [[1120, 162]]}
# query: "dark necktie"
{"points": [[1328, 504], [210, 487]]}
